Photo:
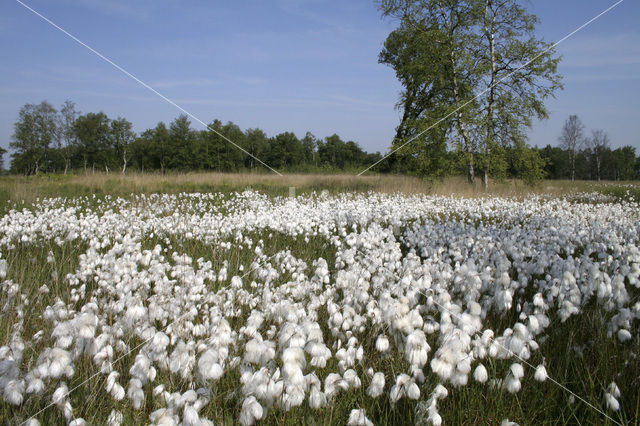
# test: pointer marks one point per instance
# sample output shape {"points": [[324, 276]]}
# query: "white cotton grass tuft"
{"points": [[13, 392], [611, 401], [404, 386], [377, 385], [614, 389], [611, 396], [512, 384], [251, 411], [135, 393], [115, 418], [351, 377], [209, 367], [624, 335], [517, 371], [480, 374], [382, 343], [60, 394], [190, 416], [413, 391], [541, 373], [164, 416], [317, 398], [358, 417]]}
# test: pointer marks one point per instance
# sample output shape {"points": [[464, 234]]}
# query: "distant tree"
{"points": [[121, 136], [310, 148], [2, 153], [527, 164], [555, 162], [213, 145], [34, 133], [256, 142], [219, 153], [572, 140], [67, 136], [284, 150], [181, 144], [160, 146], [234, 159], [623, 160], [150, 150], [599, 144], [93, 133], [332, 152]]}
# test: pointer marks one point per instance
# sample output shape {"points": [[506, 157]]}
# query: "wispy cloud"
{"points": [[139, 9], [608, 50], [115, 95], [186, 82], [315, 11], [207, 82], [604, 74], [334, 101]]}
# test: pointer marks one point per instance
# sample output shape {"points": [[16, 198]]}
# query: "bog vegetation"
{"points": [[237, 306]]}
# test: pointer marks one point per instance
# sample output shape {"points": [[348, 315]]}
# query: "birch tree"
{"points": [[572, 140], [122, 136], [34, 133], [67, 136], [599, 144], [494, 76]]}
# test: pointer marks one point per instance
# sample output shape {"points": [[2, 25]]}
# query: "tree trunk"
{"points": [[124, 163], [460, 122], [490, 33], [456, 98], [573, 167]]}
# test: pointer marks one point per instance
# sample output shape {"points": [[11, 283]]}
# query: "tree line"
{"points": [[50, 140], [588, 156], [56, 141]]}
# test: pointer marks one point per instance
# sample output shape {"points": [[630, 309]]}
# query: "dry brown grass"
{"points": [[28, 189]]}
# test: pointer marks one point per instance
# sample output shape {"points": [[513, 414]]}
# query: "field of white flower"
{"points": [[354, 308]]}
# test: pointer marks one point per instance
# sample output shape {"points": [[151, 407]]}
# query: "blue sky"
{"points": [[284, 65]]}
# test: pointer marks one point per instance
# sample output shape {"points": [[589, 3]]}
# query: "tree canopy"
{"points": [[474, 74]]}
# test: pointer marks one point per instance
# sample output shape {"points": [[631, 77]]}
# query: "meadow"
{"points": [[218, 299]]}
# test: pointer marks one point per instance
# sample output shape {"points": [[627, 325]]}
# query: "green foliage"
{"points": [[2, 153], [284, 150], [93, 133], [121, 135], [527, 164], [91, 142], [479, 64], [33, 136]]}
